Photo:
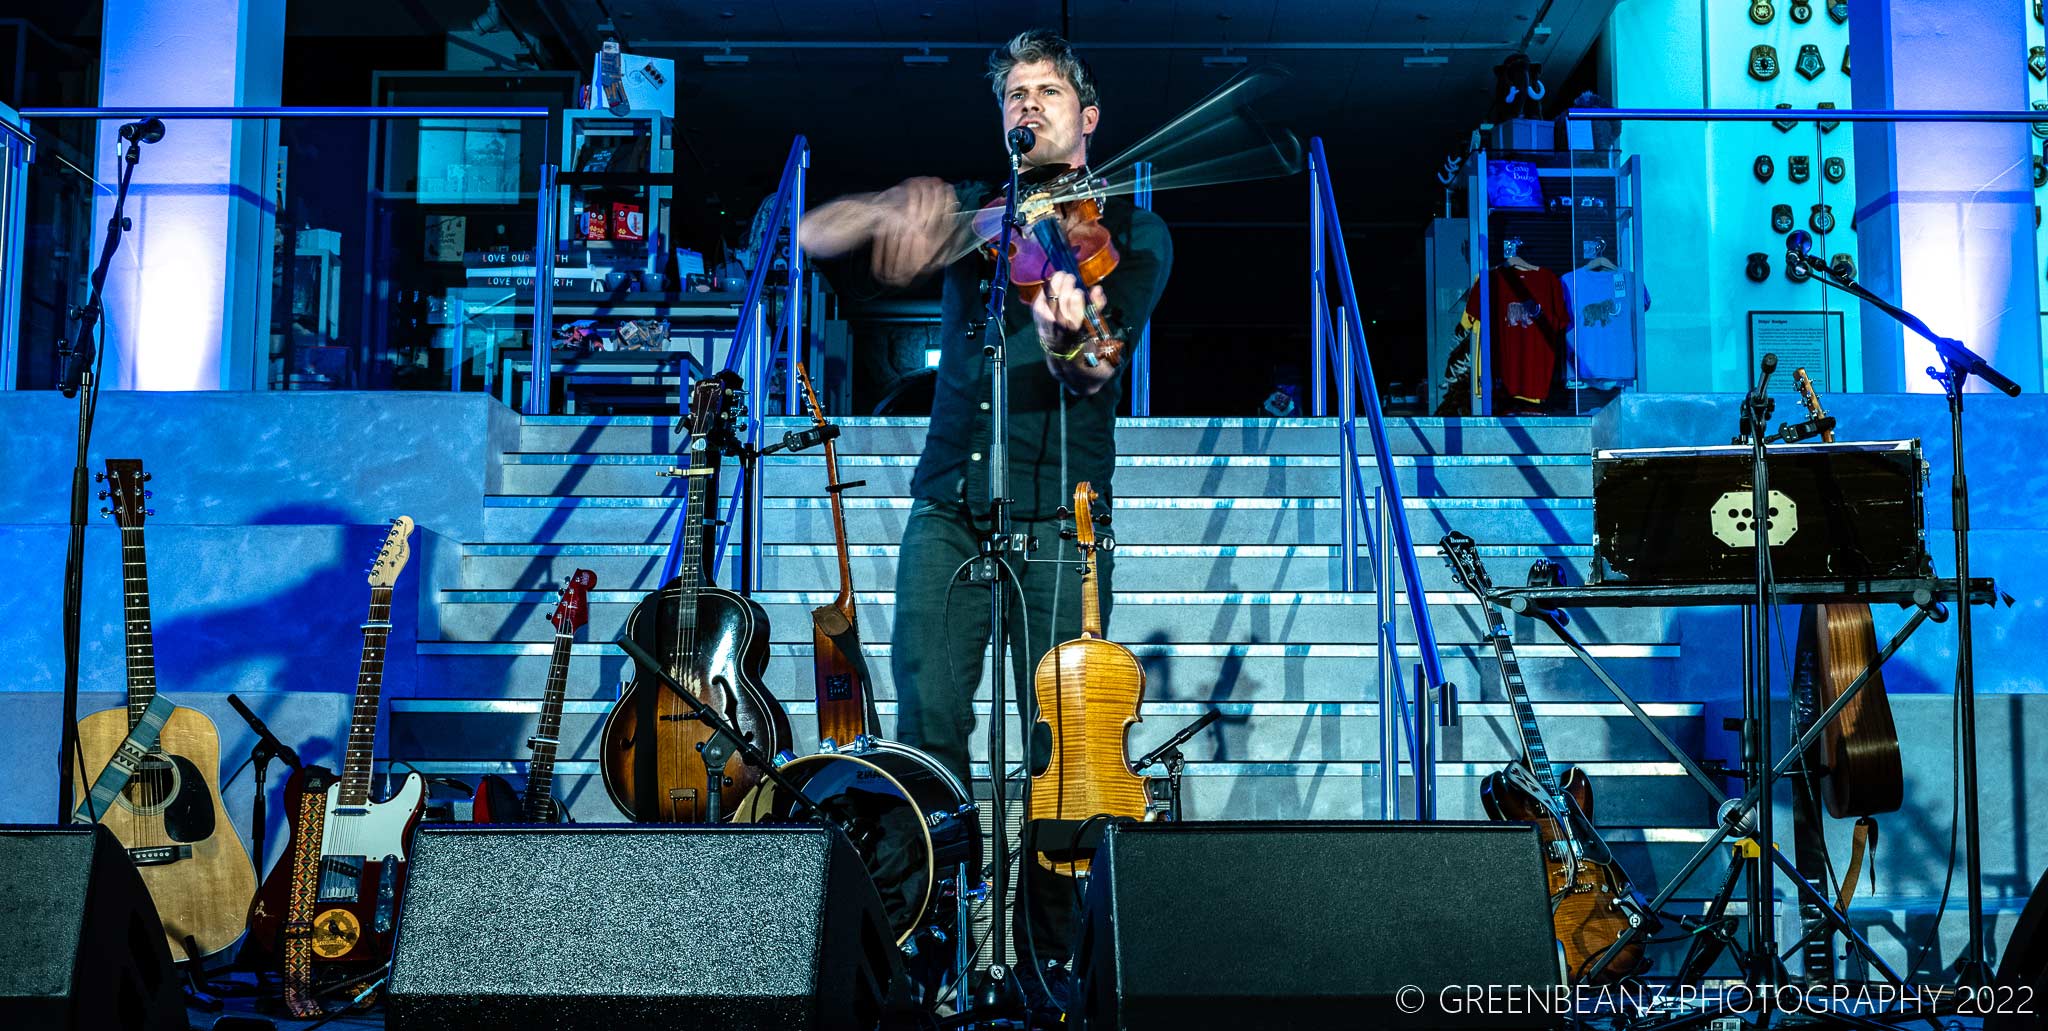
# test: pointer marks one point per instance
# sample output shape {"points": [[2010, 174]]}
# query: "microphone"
{"points": [[1798, 251], [1757, 395], [1178, 739], [149, 130], [284, 751], [1022, 139]]}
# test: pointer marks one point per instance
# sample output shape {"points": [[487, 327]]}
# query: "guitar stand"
{"points": [[1735, 813]]}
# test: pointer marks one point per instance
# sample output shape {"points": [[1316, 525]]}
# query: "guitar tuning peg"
{"points": [[105, 511], [149, 511], [103, 495], [149, 493], [1063, 513], [1102, 520], [1067, 533], [146, 477], [99, 477]]}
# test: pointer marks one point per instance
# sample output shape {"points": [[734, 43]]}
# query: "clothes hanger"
{"points": [[1510, 248], [1599, 262]]}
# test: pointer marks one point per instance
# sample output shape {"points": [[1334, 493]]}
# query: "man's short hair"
{"points": [[1038, 45]]}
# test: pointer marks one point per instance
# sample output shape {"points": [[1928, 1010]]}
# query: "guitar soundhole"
{"points": [[155, 783]]}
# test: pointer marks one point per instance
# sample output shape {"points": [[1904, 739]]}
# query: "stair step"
{"points": [[1173, 672], [1223, 436], [1195, 520], [1139, 567], [1138, 616], [1433, 476]]}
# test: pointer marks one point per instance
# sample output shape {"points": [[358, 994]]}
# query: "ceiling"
{"points": [[834, 71]]}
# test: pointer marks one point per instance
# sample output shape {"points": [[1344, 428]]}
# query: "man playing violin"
{"points": [[1061, 427]]}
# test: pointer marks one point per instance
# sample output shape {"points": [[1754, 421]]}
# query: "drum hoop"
{"points": [[924, 830]]}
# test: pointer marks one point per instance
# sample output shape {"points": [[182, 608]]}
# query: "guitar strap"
{"points": [[1865, 840], [126, 760], [305, 891]]}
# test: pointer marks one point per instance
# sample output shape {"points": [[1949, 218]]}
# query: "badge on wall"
{"points": [[1834, 170], [1827, 105], [1839, 10], [1801, 13], [2041, 128], [1761, 12], [1843, 268], [1759, 267], [2037, 61], [1822, 220], [1784, 124], [1762, 168], [1797, 169], [1781, 217], [1845, 60], [1763, 62], [1810, 64]]}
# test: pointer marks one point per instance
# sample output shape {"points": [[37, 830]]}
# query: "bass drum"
{"points": [[910, 820]]}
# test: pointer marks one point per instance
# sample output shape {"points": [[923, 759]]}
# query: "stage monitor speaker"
{"points": [[640, 926], [2019, 995], [84, 947], [1270, 924]]}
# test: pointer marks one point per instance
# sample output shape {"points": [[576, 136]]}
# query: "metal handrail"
{"points": [[751, 344], [285, 112], [1828, 114], [1394, 547]]}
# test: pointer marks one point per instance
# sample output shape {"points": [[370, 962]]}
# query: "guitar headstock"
{"points": [[1461, 553], [573, 610], [124, 494], [393, 554], [810, 396], [1811, 399], [716, 404]]}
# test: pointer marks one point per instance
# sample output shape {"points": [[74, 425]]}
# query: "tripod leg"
{"points": [[1832, 916]]}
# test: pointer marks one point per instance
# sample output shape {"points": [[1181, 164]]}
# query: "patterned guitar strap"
{"points": [[305, 894]]}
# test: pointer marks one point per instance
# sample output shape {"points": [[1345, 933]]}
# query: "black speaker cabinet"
{"points": [[1269, 924], [640, 926], [84, 948]]}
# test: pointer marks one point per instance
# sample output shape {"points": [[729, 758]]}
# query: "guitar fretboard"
{"points": [[1525, 713], [362, 733], [689, 571], [141, 641], [540, 772]]}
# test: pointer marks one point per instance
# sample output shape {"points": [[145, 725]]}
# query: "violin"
{"points": [[1060, 230]]}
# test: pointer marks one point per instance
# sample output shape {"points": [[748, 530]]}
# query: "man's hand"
{"points": [[914, 226], [1058, 312]]}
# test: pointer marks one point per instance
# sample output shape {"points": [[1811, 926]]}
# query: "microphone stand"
{"points": [[1000, 992], [266, 748], [1958, 363], [79, 358], [1170, 754], [1756, 734]]}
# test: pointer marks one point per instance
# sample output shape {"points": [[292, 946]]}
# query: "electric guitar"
{"points": [[363, 843], [1591, 902], [169, 814], [496, 802]]}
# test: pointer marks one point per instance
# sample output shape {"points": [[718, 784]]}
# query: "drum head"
{"points": [[879, 817]]}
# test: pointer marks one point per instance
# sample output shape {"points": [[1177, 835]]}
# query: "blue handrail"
{"points": [[751, 343], [1400, 550], [285, 112], [1829, 114]]}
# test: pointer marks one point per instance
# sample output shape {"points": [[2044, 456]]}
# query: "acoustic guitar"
{"points": [[363, 843], [1854, 767], [846, 710], [660, 762], [169, 814], [1088, 692], [495, 801], [1592, 903]]}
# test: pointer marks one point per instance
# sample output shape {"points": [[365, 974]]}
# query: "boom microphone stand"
{"points": [[77, 373], [1958, 363], [1756, 727]]}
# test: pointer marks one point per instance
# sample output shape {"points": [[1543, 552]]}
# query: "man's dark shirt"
{"points": [[955, 463]]}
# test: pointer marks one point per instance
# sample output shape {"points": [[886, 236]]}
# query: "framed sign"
{"points": [[1812, 340]]}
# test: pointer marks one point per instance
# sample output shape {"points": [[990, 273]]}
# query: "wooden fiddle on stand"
{"points": [[1088, 691], [846, 710], [658, 758]]}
